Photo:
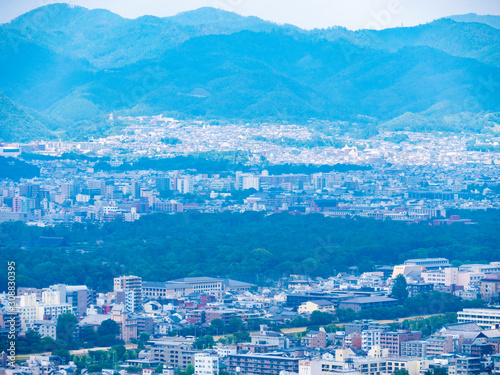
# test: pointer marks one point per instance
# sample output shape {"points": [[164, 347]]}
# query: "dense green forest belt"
{"points": [[222, 162], [247, 246], [15, 169]]}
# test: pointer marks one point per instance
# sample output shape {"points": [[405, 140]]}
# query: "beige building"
{"points": [[405, 269], [128, 325], [319, 305]]}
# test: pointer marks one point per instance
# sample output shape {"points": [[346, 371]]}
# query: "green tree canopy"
{"points": [[217, 326], [109, 327], [66, 324], [437, 370], [204, 342], [235, 325], [400, 289]]}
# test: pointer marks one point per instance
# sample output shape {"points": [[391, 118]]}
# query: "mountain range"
{"points": [[66, 68]]}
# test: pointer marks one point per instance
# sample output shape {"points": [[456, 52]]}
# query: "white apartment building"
{"points": [[345, 363], [493, 267], [251, 182], [206, 364], [52, 311], [31, 310], [185, 185], [46, 328], [130, 300], [453, 276], [484, 318], [26, 306], [132, 215], [370, 338], [183, 287], [246, 181], [225, 350]]}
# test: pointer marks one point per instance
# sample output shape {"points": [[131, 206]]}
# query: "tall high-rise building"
{"points": [[68, 190], [135, 190], [17, 204], [185, 185], [162, 183], [133, 284]]}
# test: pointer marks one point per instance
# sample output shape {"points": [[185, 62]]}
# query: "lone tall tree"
{"points": [[399, 289], [66, 324]]}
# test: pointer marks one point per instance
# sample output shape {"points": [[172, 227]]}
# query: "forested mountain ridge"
{"points": [[74, 66]]}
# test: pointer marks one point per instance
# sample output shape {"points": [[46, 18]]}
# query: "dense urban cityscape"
{"points": [[231, 187], [295, 324], [418, 178], [223, 325]]}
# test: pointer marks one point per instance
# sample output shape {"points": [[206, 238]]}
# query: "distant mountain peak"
{"points": [[51, 12], [210, 15], [493, 21], [58, 15]]}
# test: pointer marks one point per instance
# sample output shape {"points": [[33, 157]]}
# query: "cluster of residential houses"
{"points": [[470, 346]]}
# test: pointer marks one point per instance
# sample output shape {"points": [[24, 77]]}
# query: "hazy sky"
{"points": [[353, 14]]}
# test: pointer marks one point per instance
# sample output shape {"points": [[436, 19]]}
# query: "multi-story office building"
{"points": [[452, 276], [467, 366], [185, 185], [416, 349], [358, 326], [493, 267], [439, 344], [50, 306], [393, 340], [78, 296], [178, 353]]}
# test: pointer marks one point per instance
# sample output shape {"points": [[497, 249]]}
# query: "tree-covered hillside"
{"points": [[18, 123], [75, 66], [248, 246]]}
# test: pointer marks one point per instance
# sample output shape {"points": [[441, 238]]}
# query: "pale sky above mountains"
{"points": [[308, 14]]}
